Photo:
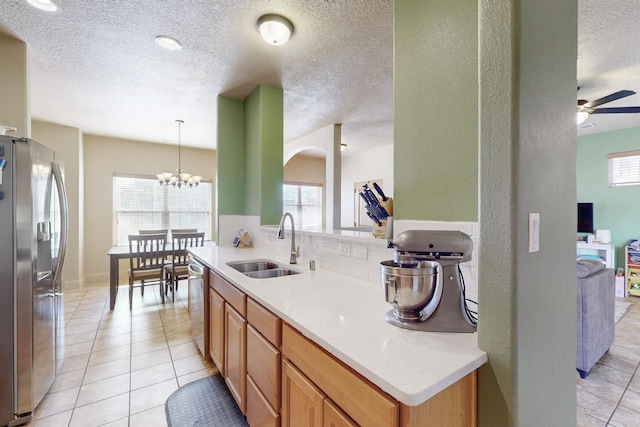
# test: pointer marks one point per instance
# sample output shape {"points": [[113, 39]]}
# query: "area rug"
{"points": [[621, 308], [205, 402]]}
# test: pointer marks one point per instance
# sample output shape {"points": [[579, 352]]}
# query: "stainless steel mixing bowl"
{"points": [[409, 287]]}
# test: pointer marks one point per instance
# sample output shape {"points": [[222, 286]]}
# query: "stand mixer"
{"points": [[423, 283]]}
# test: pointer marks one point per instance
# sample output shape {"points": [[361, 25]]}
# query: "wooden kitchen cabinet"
{"points": [[335, 417], [259, 410], [229, 335], [235, 355], [263, 366], [302, 400], [357, 397], [216, 330], [278, 377]]}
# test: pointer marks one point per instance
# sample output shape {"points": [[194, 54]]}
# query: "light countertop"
{"points": [[345, 316]]}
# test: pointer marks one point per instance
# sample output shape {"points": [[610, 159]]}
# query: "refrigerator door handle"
{"points": [[64, 224]]}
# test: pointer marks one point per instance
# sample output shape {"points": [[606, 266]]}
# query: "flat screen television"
{"points": [[585, 217]]}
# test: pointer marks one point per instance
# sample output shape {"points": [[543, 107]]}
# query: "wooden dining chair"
{"points": [[147, 255], [183, 230], [177, 268], [158, 231]]}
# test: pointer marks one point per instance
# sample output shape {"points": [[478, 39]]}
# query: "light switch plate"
{"points": [[534, 232]]}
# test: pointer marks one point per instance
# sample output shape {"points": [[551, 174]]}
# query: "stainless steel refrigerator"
{"points": [[33, 236]]}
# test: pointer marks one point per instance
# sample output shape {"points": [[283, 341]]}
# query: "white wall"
{"points": [[105, 156], [327, 139], [307, 170], [373, 164]]}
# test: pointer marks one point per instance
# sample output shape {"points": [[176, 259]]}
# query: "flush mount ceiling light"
{"points": [[275, 29], [169, 43], [46, 5]]}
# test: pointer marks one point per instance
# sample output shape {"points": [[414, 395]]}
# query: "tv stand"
{"points": [[601, 251]]}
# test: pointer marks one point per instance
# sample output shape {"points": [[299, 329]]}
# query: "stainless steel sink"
{"points": [[276, 272], [262, 268], [253, 265]]}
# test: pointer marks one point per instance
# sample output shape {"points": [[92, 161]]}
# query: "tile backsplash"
{"points": [[353, 253]]}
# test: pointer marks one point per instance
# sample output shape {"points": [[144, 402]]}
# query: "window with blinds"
{"points": [[624, 168], [140, 203], [304, 201]]}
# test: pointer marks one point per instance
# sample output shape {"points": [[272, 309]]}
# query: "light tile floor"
{"points": [[117, 368], [610, 395]]}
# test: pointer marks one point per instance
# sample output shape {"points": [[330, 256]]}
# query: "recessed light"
{"points": [[46, 5], [169, 43]]}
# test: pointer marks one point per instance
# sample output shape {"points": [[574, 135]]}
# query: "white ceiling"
{"points": [[609, 59], [95, 66]]}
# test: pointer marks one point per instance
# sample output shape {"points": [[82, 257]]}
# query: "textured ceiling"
{"points": [[609, 59], [95, 65]]}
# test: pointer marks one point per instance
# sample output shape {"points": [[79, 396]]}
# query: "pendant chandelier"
{"points": [[179, 178]]}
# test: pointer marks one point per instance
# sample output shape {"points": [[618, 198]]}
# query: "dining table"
{"points": [[117, 253]]}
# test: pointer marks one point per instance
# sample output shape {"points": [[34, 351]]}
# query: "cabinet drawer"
{"points": [[230, 293], [259, 411], [267, 323], [334, 417], [263, 365], [363, 401]]}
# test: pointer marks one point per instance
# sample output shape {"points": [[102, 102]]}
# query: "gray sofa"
{"points": [[596, 313]]}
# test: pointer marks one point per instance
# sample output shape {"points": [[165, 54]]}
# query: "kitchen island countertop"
{"points": [[345, 316]]}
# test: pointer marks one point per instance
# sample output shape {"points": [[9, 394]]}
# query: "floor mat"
{"points": [[205, 402]]}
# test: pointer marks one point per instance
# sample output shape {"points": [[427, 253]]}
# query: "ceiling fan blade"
{"points": [[619, 110], [609, 98]]}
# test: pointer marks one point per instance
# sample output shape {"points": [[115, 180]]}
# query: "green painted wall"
{"points": [[250, 138], [527, 301], [614, 208], [272, 155], [263, 154], [436, 110], [518, 99], [230, 157]]}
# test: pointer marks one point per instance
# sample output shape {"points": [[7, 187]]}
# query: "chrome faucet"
{"points": [[295, 252]]}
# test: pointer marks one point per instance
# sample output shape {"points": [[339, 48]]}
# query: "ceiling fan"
{"points": [[585, 108]]}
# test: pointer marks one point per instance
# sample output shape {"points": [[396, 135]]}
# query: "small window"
{"points": [[304, 201], [624, 168], [140, 203]]}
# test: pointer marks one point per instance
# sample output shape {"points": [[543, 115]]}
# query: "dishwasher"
{"points": [[196, 302]]}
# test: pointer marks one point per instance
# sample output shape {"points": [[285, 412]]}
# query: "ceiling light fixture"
{"points": [[581, 117], [179, 178], [46, 5], [275, 29], [169, 43], [343, 147]]}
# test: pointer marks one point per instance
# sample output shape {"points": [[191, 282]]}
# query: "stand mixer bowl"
{"points": [[409, 287]]}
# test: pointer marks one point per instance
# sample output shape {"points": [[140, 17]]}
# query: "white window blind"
{"points": [[140, 203], [304, 201], [624, 168]]}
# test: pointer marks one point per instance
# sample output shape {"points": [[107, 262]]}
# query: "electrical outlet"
{"points": [[359, 251], [345, 249]]}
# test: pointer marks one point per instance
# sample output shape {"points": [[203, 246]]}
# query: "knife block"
{"points": [[380, 231]]}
